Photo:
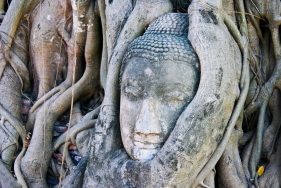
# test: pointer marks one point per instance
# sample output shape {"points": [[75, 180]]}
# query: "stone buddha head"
{"points": [[159, 77]]}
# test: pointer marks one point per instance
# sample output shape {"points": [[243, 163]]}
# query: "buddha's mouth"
{"points": [[148, 145]]}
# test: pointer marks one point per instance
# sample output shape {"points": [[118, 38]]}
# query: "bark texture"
{"points": [[60, 75]]}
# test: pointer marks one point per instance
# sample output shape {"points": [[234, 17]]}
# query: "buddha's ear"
{"points": [[201, 126]]}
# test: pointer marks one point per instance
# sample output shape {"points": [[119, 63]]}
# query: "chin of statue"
{"points": [[143, 151]]}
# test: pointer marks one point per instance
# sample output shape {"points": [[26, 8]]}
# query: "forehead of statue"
{"points": [[144, 73]]}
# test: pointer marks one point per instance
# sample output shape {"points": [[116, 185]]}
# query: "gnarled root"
{"points": [[83, 125], [10, 111], [272, 174], [270, 134], [6, 178], [75, 178], [35, 159], [230, 171]]}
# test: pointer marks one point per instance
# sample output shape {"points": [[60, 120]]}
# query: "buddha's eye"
{"points": [[132, 93], [175, 96]]}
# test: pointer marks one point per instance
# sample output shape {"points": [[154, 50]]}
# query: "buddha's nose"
{"points": [[147, 121]]}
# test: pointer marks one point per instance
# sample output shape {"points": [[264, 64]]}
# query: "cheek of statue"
{"points": [[151, 104]]}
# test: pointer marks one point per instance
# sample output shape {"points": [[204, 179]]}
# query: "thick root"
{"points": [[6, 178], [58, 104], [271, 176], [87, 124], [230, 171]]}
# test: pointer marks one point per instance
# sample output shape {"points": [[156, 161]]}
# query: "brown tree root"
{"points": [[17, 125], [35, 160], [21, 70], [45, 98], [116, 15], [9, 26], [55, 108]]}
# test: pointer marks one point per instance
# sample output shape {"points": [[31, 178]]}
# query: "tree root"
{"points": [[32, 116], [92, 115], [6, 178], [257, 147], [76, 114], [18, 126], [273, 141], [75, 178], [254, 21], [15, 140], [14, 60], [245, 79], [54, 106], [57, 105], [2, 67], [66, 156], [104, 59], [230, 171], [46, 97], [17, 169], [246, 137], [246, 158], [271, 176], [83, 125], [270, 134], [21, 70], [274, 22]]}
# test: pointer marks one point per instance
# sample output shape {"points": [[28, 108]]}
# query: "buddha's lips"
{"points": [[145, 144]]}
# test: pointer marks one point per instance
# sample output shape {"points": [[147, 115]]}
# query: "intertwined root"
{"points": [[263, 141], [263, 146], [10, 123], [53, 104]]}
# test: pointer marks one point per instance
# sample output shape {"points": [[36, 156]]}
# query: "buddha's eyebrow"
{"points": [[169, 87], [132, 82]]}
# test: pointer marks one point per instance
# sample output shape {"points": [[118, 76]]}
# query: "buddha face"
{"points": [[153, 95]]}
